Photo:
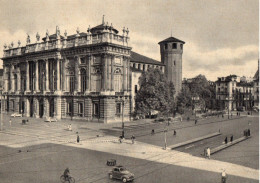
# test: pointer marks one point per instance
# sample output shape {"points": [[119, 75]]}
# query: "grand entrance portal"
{"points": [[51, 107], [41, 108]]}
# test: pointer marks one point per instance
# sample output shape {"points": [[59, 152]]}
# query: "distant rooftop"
{"points": [[136, 57]]}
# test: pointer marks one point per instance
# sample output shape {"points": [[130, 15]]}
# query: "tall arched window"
{"points": [[83, 76]]}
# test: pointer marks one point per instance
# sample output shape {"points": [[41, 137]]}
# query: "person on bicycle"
{"points": [[66, 173]]}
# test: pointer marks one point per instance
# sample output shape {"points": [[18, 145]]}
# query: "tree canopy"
{"points": [[196, 87], [155, 93]]}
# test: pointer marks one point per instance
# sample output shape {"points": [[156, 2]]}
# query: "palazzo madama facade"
{"points": [[80, 76]]}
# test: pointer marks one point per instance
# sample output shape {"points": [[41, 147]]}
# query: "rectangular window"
{"points": [[118, 109], [96, 109], [72, 84], [166, 46], [135, 88], [82, 60], [69, 108], [174, 45], [80, 109]]}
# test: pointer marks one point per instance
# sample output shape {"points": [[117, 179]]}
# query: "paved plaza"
{"points": [[40, 151]]}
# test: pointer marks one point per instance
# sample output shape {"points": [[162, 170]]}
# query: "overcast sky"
{"points": [[221, 35]]}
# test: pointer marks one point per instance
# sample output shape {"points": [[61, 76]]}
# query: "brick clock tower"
{"points": [[171, 55]]}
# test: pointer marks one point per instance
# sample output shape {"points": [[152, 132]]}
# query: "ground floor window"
{"points": [[69, 108], [96, 109], [118, 109], [80, 109]]}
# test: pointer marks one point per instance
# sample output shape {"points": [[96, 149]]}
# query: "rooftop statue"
{"points": [[28, 41]]}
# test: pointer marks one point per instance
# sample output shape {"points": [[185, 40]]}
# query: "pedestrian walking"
{"points": [[205, 152], [223, 176], [226, 140], [10, 122], [120, 139], [152, 133], [174, 132], [196, 121], [133, 139], [248, 132], [231, 138], [78, 137], [222, 115], [69, 127], [208, 152]]}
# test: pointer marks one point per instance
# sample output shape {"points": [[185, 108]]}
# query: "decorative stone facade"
{"points": [[81, 76]]}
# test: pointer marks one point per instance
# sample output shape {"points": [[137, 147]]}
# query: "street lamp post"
{"points": [[165, 138], [1, 113], [123, 126]]}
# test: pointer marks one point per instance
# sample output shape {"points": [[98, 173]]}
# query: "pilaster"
{"points": [[47, 75], [37, 76], [27, 77]]}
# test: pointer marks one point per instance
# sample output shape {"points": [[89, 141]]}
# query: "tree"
{"points": [[155, 93], [196, 87]]}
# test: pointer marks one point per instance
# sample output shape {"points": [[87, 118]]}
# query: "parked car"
{"points": [[120, 172], [256, 108], [16, 115], [240, 108]]}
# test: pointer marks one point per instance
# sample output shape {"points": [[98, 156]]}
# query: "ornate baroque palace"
{"points": [[88, 75]]}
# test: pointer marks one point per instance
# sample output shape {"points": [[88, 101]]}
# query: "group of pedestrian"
{"points": [[207, 152], [247, 133], [226, 139]]}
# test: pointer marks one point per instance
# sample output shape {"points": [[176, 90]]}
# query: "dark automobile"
{"points": [[119, 172]]}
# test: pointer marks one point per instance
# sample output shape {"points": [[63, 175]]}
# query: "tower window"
{"points": [[135, 88], [174, 45], [166, 46], [181, 45]]}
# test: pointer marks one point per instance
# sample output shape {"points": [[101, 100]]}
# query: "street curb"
{"points": [[194, 140]]}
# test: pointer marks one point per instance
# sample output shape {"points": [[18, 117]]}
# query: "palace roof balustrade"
{"points": [[74, 41]]}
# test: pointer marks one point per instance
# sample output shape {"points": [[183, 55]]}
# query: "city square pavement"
{"points": [[40, 151]]}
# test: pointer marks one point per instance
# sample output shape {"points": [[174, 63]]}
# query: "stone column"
{"points": [[47, 74], [27, 77], [104, 73], [5, 79], [12, 78], [108, 72], [19, 79], [124, 75], [112, 73], [128, 74], [27, 108], [89, 73], [58, 74], [37, 76]]}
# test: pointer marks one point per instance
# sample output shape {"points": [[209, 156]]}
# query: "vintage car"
{"points": [[16, 115], [119, 172]]}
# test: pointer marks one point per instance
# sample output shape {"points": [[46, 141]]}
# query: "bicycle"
{"points": [[69, 179]]}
